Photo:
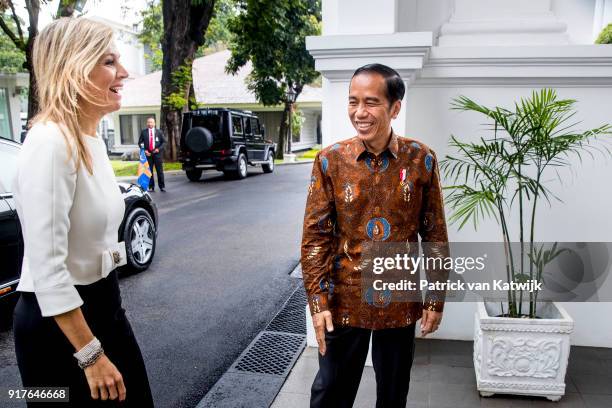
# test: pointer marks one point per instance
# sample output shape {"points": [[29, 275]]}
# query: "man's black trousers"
{"points": [[340, 369], [155, 159]]}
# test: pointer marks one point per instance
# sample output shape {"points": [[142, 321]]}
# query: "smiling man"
{"points": [[376, 186]]}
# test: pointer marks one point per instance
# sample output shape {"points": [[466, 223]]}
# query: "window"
{"points": [[5, 118], [237, 125], [256, 128], [8, 171], [247, 125], [131, 126], [210, 122]]}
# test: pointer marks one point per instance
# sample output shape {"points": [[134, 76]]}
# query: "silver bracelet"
{"points": [[89, 354]]}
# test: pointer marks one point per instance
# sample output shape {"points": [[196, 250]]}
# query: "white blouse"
{"points": [[69, 218]]}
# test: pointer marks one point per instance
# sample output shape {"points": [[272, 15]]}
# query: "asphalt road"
{"points": [[220, 273]]}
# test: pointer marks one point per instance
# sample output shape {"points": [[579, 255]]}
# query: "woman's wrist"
{"points": [[89, 354]]}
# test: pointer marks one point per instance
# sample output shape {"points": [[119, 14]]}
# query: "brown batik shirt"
{"points": [[355, 197]]}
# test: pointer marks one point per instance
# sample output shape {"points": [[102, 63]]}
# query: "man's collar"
{"points": [[392, 147]]}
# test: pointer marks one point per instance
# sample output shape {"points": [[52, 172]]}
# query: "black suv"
{"points": [[227, 140]]}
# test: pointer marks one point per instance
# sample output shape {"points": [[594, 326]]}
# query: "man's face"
{"points": [[150, 123], [369, 108]]}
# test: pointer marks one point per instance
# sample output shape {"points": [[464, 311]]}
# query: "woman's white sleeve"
{"points": [[46, 184]]}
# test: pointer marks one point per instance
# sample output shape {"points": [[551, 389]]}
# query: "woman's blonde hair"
{"points": [[64, 54]]}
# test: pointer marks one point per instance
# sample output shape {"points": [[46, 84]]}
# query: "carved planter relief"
{"points": [[522, 356]]}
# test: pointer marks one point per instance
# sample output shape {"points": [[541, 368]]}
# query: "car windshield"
{"points": [[210, 122]]}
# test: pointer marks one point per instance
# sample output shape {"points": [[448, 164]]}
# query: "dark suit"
{"points": [[154, 159]]}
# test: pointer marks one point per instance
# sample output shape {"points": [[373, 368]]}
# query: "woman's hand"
{"points": [[105, 381]]}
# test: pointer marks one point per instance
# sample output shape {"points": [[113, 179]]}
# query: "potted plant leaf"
{"points": [[521, 345]]}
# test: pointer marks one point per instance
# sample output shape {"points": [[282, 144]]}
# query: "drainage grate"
{"points": [[291, 318], [259, 373], [271, 353]]}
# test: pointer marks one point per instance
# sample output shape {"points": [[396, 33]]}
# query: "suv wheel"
{"points": [[242, 167], [194, 175], [269, 166], [140, 239]]}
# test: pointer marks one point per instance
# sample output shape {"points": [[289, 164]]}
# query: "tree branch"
{"points": [[33, 7], [18, 43], [17, 22]]}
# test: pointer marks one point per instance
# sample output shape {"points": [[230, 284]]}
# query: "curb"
{"points": [[171, 172], [295, 162]]}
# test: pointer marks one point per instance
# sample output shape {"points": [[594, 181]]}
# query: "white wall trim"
{"points": [[423, 65], [559, 66], [338, 56]]}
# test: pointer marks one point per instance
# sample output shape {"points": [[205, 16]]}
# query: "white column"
{"points": [[603, 16], [359, 17], [503, 22], [338, 56]]}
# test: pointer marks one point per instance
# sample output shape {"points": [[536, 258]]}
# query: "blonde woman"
{"points": [[70, 329]]}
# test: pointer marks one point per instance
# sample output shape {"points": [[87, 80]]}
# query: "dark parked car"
{"points": [[138, 229], [226, 140]]}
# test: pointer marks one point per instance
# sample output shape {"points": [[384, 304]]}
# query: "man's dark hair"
{"points": [[395, 85]]}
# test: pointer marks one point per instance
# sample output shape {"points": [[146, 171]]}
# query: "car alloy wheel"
{"points": [[242, 166], [141, 241], [140, 238]]}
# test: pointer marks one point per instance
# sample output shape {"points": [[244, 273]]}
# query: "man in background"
{"points": [[152, 141]]}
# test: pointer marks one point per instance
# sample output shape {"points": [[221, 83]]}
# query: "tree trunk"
{"points": [[33, 7], [185, 24], [282, 133]]}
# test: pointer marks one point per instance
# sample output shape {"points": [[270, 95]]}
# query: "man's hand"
{"points": [[105, 381], [430, 322], [156, 151], [147, 153], [322, 321]]}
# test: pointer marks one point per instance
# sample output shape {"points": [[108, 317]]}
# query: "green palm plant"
{"points": [[489, 176]]}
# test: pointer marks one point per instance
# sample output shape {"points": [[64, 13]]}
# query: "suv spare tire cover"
{"points": [[199, 139]]}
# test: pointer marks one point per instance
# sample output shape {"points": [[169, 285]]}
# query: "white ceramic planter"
{"points": [[522, 356]]}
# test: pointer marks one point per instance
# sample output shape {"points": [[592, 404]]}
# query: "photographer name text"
{"points": [[407, 285]]}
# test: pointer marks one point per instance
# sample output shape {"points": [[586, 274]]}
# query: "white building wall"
{"points": [[580, 217], [423, 15], [578, 15], [581, 17], [494, 75]]}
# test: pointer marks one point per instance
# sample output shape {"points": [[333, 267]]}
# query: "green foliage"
{"points": [[271, 35], [312, 153], [217, 35], [180, 79], [12, 59], [151, 33], [489, 175], [297, 120], [130, 168], [605, 37]]}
